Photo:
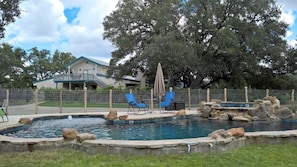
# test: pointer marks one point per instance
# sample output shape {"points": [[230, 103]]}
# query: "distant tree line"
{"points": [[20, 68]]}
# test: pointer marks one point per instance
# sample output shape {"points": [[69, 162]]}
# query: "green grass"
{"points": [[257, 155], [77, 104]]}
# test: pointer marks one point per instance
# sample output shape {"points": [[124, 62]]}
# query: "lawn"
{"points": [[257, 155]]}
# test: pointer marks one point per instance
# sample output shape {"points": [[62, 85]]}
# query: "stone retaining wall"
{"points": [[154, 147]]}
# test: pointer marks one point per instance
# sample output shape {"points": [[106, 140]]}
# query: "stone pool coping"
{"points": [[154, 147]]}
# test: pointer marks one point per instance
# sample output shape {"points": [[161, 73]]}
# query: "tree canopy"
{"points": [[9, 10], [221, 41]]}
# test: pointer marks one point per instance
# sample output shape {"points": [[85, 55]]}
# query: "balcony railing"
{"points": [[75, 77], [79, 78]]}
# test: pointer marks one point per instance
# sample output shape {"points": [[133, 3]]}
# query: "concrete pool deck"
{"points": [[28, 111], [128, 147]]}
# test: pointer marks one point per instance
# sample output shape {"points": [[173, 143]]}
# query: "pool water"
{"points": [[174, 129]]}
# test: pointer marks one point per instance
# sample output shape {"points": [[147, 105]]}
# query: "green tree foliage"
{"points": [[9, 10], [39, 61], [19, 69], [60, 60], [291, 61], [43, 65], [11, 64], [235, 39], [230, 41], [145, 33]]}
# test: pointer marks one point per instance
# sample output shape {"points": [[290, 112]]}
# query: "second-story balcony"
{"points": [[81, 77]]}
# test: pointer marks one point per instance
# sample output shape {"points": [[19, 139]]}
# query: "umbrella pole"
{"points": [[159, 102]]}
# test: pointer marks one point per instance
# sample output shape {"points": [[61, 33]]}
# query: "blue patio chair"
{"points": [[134, 104], [168, 103], [3, 113]]}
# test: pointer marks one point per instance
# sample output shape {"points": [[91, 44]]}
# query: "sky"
{"points": [[75, 26]]}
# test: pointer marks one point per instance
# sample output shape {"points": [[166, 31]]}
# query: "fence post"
{"points": [[225, 94], [85, 99], [246, 94], [61, 100], [130, 108], [110, 99], [199, 95], [207, 95], [152, 100], [267, 92], [293, 95], [36, 101], [189, 97], [7, 101]]}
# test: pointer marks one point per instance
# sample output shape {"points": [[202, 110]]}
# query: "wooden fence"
{"points": [[116, 98]]}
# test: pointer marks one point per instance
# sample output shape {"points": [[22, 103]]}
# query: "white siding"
{"points": [[49, 83]]}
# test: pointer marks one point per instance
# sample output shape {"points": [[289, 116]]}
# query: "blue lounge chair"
{"points": [[3, 113], [168, 101], [134, 104]]}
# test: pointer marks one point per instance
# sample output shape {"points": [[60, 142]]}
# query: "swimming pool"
{"points": [[175, 128]]}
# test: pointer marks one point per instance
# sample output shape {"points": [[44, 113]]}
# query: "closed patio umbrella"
{"points": [[159, 85]]}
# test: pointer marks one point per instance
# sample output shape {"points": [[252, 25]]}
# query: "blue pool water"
{"points": [[174, 129]]}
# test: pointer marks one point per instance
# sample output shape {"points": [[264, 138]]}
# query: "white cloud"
{"points": [[43, 23], [288, 17], [293, 43], [289, 33], [86, 38], [39, 22]]}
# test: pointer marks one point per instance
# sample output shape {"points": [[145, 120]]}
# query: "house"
{"points": [[90, 73]]}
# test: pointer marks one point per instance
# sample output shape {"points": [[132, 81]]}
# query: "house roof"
{"points": [[98, 62]]}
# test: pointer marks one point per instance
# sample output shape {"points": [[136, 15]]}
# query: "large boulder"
{"points": [[224, 117], [275, 103], [25, 121], [112, 115], [261, 113], [201, 105], [219, 134], [69, 134], [236, 132], [181, 112], [257, 103], [241, 118], [123, 117], [284, 113], [214, 114], [85, 136], [205, 113]]}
